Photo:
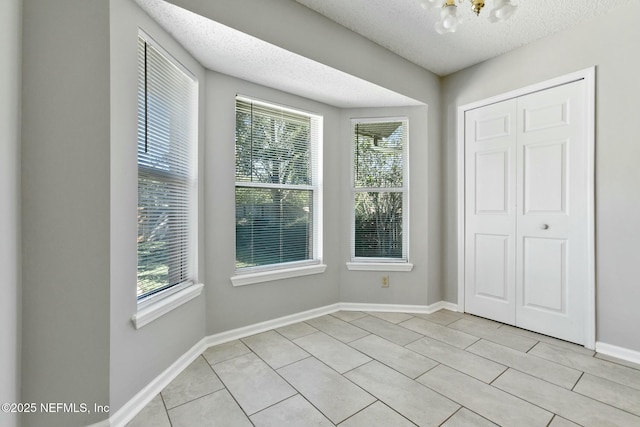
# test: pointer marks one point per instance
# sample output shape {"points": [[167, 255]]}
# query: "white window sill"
{"points": [[379, 266], [161, 307], [268, 276]]}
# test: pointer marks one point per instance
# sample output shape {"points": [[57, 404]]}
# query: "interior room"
{"points": [[392, 104]]}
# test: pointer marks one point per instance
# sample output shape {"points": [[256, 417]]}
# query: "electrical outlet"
{"points": [[385, 281]]}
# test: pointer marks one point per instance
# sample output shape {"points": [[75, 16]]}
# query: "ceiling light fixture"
{"points": [[449, 19]]}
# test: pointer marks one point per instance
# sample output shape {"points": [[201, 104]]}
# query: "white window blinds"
{"points": [[277, 186], [167, 105], [380, 196]]}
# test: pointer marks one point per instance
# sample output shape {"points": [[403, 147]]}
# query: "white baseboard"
{"points": [[130, 409], [125, 414], [246, 331], [398, 308], [619, 352]]}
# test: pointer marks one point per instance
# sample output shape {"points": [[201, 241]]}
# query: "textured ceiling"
{"points": [[401, 26], [405, 28], [223, 49]]}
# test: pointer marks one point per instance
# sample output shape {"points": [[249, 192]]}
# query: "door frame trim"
{"points": [[589, 76]]}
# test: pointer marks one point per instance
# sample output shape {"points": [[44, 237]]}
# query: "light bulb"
{"points": [[448, 20], [503, 9]]}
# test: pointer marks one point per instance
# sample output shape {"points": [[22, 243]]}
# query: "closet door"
{"points": [[490, 214], [551, 243]]}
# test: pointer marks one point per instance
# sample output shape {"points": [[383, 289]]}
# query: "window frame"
{"points": [[381, 263], [165, 298], [277, 271]]}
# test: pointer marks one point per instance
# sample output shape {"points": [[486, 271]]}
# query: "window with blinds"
{"points": [[167, 143], [278, 186], [379, 191]]}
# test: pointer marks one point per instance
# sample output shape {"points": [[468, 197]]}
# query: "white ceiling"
{"points": [[401, 26], [405, 28]]}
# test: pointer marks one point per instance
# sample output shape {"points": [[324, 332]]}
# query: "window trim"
{"points": [[277, 274], [380, 263], [271, 272], [157, 305]]}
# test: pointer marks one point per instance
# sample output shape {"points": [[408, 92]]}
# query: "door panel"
{"points": [[544, 274], [492, 270], [546, 115], [545, 177], [492, 178], [490, 186], [551, 245]]}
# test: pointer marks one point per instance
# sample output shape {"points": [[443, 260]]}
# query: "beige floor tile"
{"points": [[296, 330], [547, 339], [440, 333], [567, 404], [334, 353], [492, 333], [253, 383], [387, 330], [275, 349], [293, 412], [394, 356], [154, 414], [197, 380], [532, 365], [561, 422], [335, 396], [390, 316], [214, 410], [466, 418], [404, 395], [481, 320], [618, 395], [485, 400], [339, 329], [441, 317], [592, 365], [463, 361], [222, 352], [377, 415], [348, 316]]}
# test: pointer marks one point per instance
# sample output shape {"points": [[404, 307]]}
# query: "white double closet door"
{"points": [[526, 201]]}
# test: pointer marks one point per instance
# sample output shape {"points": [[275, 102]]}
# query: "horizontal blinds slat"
{"points": [[166, 171]]}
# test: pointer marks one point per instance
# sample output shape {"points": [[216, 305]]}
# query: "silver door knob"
{"points": [[544, 226]]}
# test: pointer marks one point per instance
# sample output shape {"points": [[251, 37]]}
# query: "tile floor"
{"points": [[353, 369]]}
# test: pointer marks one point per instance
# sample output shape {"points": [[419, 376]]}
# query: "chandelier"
{"points": [[449, 19]]}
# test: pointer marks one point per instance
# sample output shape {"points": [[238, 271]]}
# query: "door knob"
{"points": [[544, 226]]}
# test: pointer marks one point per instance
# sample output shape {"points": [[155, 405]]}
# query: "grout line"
{"points": [[166, 411]]}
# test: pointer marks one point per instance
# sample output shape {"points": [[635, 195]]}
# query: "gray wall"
{"points": [[10, 106], [230, 307], [422, 285], [610, 44], [65, 207], [139, 356]]}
